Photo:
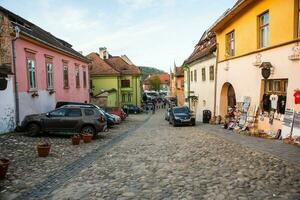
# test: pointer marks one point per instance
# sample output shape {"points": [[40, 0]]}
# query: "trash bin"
{"points": [[206, 116]]}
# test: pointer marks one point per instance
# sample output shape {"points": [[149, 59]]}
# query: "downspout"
{"points": [[189, 87], [17, 115], [136, 91], [216, 78], [119, 91]]}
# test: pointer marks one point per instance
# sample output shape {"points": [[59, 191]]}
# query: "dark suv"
{"points": [[181, 116], [68, 119]]}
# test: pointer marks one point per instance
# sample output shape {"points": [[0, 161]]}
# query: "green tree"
{"points": [[154, 82]]}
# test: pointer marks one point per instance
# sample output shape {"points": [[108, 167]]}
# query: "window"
{"points": [[129, 97], [84, 78], [264, 30], [203, 74], [66, 76], [125, 83], [58, 113], [49, 71], [73, 112], [31, 73], [191, 76], [88, 112], [211, 73], [124, 97], [276, 86], [195, 75], [77, 77], [230, 44]]}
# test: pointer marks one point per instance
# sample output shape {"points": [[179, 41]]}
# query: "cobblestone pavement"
{"points": [[158, 161], [27, 169], [291, 153]]}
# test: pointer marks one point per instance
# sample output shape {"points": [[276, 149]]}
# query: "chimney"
{"points": [[103, 53]]}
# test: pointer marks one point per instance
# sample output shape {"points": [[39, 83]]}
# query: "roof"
{"points": [[100, 67], [114, 65], [229, 14], [38, 34], [164, 78], [179, 71], [120, 65], [206, 46]]}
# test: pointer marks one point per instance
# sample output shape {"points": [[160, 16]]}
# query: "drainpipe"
{"points": [[216, 78], [17, 30], [189, 86]]}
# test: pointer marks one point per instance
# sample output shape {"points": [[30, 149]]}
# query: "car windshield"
{"points": [[181, 110]]}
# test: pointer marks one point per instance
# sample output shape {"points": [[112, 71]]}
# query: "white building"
{"points": [[201, 71]]}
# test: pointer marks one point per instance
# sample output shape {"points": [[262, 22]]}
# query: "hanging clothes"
{"points": [[281, 104], [266, 103], [297, 97], [274, 100]]}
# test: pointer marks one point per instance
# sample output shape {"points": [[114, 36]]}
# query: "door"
{"points": [[72, 119], [53, 120]]}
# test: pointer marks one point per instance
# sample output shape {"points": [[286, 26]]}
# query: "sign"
{"points": [[296, 126], [287, 123], [266, 69]]}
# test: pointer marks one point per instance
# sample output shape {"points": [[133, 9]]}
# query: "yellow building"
{"points": [[259, 56]]}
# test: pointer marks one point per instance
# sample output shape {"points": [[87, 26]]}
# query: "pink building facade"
{"points": [[48, 86], [44, 70]]}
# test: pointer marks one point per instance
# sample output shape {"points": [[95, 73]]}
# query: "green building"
{"points": [[114, 82]]}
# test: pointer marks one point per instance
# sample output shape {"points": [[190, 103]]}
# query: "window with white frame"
{"points": [[31, 68], [49, 71], [77, 77], [264, 30], [66, 76], [84, 78], [230, 44]]}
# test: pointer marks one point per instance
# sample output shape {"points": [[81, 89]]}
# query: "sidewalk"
{"points": [[276, 148]]}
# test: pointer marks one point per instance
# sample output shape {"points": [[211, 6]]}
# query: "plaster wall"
{"points": [[7, 107], [204, 90], [246, 78]]}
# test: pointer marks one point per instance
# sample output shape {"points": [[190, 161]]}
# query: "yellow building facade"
{"points": [[258, 59]]}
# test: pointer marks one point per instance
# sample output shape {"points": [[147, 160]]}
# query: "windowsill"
{"points": [[32, 90], [66, 87], [50, 89]]}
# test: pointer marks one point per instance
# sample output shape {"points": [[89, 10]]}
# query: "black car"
{"points": [[70, 119], [131, 109], [181, 116]]}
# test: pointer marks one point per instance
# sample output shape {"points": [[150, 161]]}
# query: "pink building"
{"points": [[48, 70]]}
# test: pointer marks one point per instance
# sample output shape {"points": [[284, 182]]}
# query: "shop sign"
{"points": [[266, 69]]}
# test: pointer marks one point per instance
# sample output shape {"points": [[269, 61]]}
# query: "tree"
{"points": [[154, 82]]}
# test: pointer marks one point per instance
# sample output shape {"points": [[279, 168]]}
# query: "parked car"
{"points": [[116, 111], [131, 109], [181, 116], [167, 114], [111, 121], [117, 118], [71, 119]]}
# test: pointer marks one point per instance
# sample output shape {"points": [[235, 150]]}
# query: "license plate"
{"points": [[185, 120]]}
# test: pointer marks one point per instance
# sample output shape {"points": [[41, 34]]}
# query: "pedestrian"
{"points": [[153, 107]]}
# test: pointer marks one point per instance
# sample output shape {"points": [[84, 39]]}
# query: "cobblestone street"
{"points": [[158, 161]]}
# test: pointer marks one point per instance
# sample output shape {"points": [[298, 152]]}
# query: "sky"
{"points": [[150, 32]]}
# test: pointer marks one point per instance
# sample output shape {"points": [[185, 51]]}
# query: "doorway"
{"points": [[228, 98]]}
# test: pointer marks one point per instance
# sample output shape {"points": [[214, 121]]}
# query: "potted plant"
{"points": [[87, 137], [43, 148], [76, 139], [3, 167]]}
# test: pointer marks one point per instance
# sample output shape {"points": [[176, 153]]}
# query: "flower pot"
{"points": [[87, 138], [43, 150], [3, 167], [75, 140]]}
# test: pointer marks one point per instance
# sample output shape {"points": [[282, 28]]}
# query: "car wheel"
{"points": [[33, 129], [88, 129]]}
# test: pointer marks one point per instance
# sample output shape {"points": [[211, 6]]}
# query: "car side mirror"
{"points": [[48, 115]]}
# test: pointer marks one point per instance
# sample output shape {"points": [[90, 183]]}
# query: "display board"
{"points": [[296, 125], [287, 123]]}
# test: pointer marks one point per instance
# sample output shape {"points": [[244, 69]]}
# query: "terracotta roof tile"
{"points": [[120, 65], [207, 45], [164, 78], [179, 71], [100, 67]]}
